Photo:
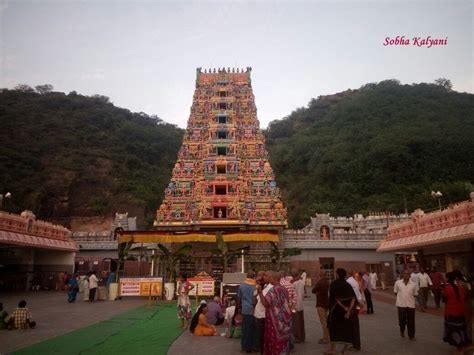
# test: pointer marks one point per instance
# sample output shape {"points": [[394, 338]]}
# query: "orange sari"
{"points": [[202, 328]]}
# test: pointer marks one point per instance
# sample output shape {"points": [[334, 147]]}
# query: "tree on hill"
{"points": [[77, 156], [44, 89], [373, 149], [446, 83]]}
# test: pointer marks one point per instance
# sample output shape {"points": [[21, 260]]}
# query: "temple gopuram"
{"points": [[222, 184]]}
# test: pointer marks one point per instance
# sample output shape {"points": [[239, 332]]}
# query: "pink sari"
{"points": [[277, 322]]}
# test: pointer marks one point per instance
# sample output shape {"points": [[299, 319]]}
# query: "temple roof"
{"points": [[453, 224]]}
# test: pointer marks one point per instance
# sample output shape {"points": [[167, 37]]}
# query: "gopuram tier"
{"points": [[222, 179]]}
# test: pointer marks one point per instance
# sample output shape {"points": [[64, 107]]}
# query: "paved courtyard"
{"points": [[379, 335], [379, 332], [55, 316]]}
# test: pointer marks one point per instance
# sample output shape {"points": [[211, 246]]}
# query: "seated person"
{"points": [[3, 317], [199, 325], [21, 317], [214, 312]]}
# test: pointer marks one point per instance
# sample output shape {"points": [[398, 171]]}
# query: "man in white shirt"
{"points": [[355, 321], [259, 311], [355, 285], [93, 284], [406, 291], [298, 317], [229, 314], [424, 281]]}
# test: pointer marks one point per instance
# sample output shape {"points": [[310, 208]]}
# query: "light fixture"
{"points": [[2, 196], [437, 196]]}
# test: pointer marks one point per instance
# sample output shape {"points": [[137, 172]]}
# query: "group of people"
{"points": [[82, 283], [267, 314], [454, 291], [427, 282], [20, 318]]}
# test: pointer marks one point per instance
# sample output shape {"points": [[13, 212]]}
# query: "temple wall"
{"points": [[350, 260], [47, 260]]}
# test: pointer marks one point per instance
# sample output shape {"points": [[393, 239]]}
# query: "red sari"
{"points": [[277, 322]]}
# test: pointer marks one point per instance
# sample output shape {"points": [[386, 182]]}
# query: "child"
{"points": [[236, 326]]}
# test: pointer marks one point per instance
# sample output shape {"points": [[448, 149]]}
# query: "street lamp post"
{"points": [[2, 196], [437, 196]]}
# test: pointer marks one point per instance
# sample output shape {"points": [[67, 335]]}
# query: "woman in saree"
{"points": [[454, 313], [73, 288], [199, 325], [342, 306], [277, 316], [184, 304]]}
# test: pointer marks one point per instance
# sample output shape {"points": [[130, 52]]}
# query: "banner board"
{"points": [[204, 286], [141, 286]]}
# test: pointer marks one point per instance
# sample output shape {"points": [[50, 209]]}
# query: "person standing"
{"points": [[406, 291], [184, 304], [383, 280], [321, 289], [424, 282], [85, 282], [298, 317], [454, 313], [355, 281], [342, 310], [373, 280], [259, 312], [368, 292], [73, 288], [245, 305], [304, 277], [59, 281], [277, 317], [93, 284], [438, 283], [285, 281]]}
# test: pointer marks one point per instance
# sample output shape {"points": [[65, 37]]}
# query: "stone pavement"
{"points": [[379, 335], [55, 316], [379, 332]]}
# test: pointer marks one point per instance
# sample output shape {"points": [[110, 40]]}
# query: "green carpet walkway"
{"points": [[138, 331]]}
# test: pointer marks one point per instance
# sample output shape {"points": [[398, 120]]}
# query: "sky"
{"points": [[144, 54]]}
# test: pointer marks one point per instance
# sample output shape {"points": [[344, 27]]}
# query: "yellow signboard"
{"points": [[141, 286], [203, 286]]}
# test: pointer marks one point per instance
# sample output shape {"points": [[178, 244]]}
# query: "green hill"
{"points": [[383, 147], [70, 155]]}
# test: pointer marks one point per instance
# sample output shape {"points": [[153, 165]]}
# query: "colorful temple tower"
{"points": [[222, 180]]}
